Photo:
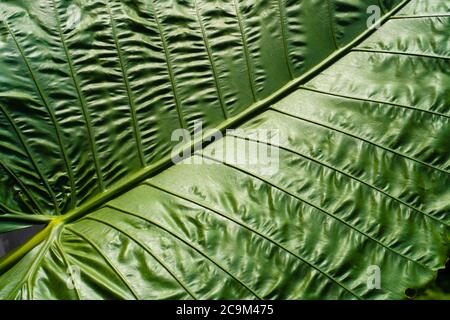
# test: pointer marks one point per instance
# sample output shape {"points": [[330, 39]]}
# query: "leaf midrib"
{"points": [[135, 178]]}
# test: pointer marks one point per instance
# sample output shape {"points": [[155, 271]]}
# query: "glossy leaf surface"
{"points": [[363, 178]]}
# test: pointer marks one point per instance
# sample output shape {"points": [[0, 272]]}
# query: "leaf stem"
{"points": [[201, 141]]}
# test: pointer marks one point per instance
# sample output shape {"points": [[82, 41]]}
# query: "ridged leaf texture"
{"points": [[91, 91]]}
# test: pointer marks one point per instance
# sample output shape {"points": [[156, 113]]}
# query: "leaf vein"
{"points": [[362, 139], [145, 248]]}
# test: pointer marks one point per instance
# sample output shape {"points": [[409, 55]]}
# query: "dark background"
{"points": [[11, 240]]}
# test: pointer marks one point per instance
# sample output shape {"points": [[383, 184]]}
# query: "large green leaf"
{"points": [[91, 91]]}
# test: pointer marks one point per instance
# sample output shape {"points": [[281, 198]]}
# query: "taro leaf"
{"points": [[91, 91]]}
